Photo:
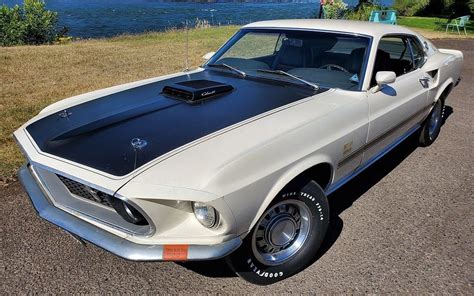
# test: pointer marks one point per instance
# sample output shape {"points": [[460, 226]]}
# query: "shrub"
{"points": [[11, 26], [334, 9], [362, 11], [31, 23]]}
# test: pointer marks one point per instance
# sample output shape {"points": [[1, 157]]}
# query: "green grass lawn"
{"points": [[429, 23]]}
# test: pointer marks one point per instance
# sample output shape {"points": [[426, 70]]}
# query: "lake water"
{"points": [[103, 18]]}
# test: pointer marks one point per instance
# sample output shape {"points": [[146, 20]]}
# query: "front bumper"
{"points": [[115, 244]]}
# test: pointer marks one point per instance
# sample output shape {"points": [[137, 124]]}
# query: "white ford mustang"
{"points": [[235, 159]]}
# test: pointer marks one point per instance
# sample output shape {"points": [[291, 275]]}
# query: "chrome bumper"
{"points": [[108, 241]]}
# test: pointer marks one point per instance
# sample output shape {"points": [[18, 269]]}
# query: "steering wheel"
{"points": [[334, 67]]}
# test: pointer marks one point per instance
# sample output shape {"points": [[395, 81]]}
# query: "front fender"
{"points": [[290, 174], [249, 203]]}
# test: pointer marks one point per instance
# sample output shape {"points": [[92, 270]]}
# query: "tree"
{"points": [[30, 23], [451, 8]]}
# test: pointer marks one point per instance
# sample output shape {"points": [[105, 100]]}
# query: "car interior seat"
{"points": [[291, 55], [382, 63], [355, 60]]}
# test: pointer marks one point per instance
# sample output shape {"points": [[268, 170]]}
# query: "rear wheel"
{"points": [[432, 125], [286, 237]]}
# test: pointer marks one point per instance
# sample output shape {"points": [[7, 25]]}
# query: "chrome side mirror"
{"points": [[383, 78]]}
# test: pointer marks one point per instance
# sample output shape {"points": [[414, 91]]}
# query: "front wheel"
{"points": [[286, 237], [432, 125]]}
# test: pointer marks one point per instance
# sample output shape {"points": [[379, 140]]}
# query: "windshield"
{"points": [[331, 60]]}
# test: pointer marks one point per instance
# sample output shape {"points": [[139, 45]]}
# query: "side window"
{"points": [[393, 54], [418, 52]]}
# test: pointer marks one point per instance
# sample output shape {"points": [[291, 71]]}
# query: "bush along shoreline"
{"points": [[29, 24]]}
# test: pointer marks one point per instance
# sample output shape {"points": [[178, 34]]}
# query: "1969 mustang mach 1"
{"points": [[236, 158]]}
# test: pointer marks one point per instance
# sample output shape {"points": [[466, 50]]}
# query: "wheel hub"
{"points": [[281, 232]]}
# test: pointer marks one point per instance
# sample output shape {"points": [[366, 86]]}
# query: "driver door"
{"points": [[397, 107]]}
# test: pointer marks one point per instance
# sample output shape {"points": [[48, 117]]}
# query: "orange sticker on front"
{"points": [[175, 252]]}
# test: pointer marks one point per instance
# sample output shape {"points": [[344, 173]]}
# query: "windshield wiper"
{"points": [[235, 70], [283, 73]]}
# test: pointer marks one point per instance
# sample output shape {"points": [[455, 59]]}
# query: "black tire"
{"points": [[432, 125], [308, 199]]}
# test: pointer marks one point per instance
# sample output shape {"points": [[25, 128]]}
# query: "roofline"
{"points": [[343, 26]]}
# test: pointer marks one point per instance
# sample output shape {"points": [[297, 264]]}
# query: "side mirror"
{"points": [[383, 78], [208, 56]]}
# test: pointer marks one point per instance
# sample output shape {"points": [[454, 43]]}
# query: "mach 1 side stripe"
{"points": [[380, 138]]}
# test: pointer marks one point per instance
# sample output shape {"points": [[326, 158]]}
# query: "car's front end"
{"points": [[179, 224], [88, 200], [98, 222]]}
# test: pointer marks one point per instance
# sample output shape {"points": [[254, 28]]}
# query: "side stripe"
{"points": [[359, 170], [380, 138]]}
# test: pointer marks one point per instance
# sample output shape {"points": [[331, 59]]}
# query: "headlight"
{"points": [[205, 214]]}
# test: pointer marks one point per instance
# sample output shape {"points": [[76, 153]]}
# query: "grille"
{"points": [[86, 192]]}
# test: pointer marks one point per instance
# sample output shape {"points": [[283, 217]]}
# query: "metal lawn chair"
{"points": [[383, 16], [457, 23]]}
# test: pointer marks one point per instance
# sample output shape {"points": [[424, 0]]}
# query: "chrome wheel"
{"points": [[281, 232]]}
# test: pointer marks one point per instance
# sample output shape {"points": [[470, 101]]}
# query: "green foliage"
{"points": [[31, 23], [458, 8], [410, 7], [11, 25], [335, 9], [362, 11], [448, 8]]}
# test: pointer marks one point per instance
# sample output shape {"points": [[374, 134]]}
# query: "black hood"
{"points": [[99, 133]]}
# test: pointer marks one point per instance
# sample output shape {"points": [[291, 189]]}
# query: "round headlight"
{"points": [[205, 214]]}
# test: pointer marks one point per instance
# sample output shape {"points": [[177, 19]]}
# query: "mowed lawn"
{"points": [[434, 27], [32, 77]]}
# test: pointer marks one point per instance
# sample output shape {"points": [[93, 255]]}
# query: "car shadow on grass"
{"points": [[339, 201]]}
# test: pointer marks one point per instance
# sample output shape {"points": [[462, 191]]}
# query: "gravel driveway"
{"points": [[404, 226]]}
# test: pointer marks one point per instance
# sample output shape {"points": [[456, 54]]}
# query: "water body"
{"points": [[104, 18]]}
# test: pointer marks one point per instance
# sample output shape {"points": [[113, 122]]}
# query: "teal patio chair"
{"points": [[457, 23], [383, 16]]}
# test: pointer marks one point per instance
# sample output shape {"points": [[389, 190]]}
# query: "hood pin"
{"points": [[138, 144]]}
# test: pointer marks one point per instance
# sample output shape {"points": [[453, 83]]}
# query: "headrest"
{"points": [[291, 56], [321, 44], [356, 59], [292, 42]]}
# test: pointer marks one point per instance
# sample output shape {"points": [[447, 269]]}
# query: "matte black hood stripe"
{"points": [[98, 133]]}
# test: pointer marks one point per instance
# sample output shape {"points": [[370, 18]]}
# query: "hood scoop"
{"points": [[195, 91]]}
